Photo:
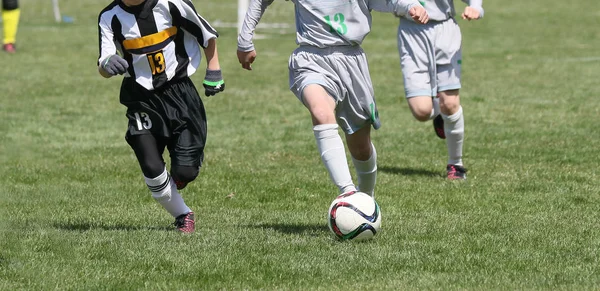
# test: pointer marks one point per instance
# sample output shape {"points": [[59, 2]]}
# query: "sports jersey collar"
{"points": [[144, 6]]}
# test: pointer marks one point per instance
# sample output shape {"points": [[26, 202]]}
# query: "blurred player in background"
{"points": [[155, 45], [10, 19], [430, 57], [329, 74]]}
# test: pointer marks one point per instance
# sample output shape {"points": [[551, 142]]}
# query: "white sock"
{"points": [[333, 155], [367, 172], [435, 111], [454, 127], [164, 191]]}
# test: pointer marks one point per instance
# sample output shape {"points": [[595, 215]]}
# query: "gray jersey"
{"points": [[440, 10], [325, 23]]}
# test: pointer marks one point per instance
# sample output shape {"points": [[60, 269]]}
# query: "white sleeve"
{"points": [[398, 7], [477, 4], [106, 39], [256, 9], [193, 23]]}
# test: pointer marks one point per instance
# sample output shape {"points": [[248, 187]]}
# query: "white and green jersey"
{"points": [[325, 23], [440, 10]]}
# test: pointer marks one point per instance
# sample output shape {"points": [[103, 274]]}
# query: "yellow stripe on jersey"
{"points": [[149, 40]]}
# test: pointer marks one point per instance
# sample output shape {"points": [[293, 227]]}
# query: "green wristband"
{"points": [[215, 84]]}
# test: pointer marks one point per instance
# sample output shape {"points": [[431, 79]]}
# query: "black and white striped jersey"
{"points": [[159, 39]]}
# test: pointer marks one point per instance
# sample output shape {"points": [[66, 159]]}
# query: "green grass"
{"points": [[76, 215]]}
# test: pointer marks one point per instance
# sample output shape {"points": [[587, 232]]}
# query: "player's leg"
{"points": [[187, 154], [418, 69], [357, 113], [448, 59], [10, 18], [186, 158], [186, 144], [148, 151], [454, 128], [425, 108], [364, 158], [329, 142]]}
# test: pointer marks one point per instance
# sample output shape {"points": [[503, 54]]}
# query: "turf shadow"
{"points": [[86, 226], [408, 171]]}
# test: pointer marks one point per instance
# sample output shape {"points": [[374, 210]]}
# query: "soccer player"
{"points": [[430, 57], [329, 74], [155, 45], [10, 18]]}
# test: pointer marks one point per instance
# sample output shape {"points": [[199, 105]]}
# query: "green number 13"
{"points": [[338, 18]]}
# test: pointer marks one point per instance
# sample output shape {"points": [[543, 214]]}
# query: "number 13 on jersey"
{"points": [[337, 20], [157, 62]]}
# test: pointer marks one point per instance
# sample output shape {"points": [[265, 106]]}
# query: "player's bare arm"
{"points": [[213, 80], [246, 53], [212, 55]]}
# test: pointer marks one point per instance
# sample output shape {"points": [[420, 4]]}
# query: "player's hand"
{"points": [[246, 59], [471, 13], [114, 65], [419, 14], [213, 82]]}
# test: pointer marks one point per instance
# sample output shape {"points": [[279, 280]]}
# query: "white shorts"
{"points": [[430, 56], [344, 73]]}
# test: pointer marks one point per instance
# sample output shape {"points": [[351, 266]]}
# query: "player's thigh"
{"points": [[320, 104], [448, 55], [417, 59], [148, 151], [358, 108], [187, 148], [315, 83], [420, 107]]}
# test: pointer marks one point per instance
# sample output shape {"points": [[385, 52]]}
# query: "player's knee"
{"points": [[420, 107], [421, 113], [10, 4], [182, 175], [322, 116], [361, 152], [421, 116], [449, 105], [152, 169]]}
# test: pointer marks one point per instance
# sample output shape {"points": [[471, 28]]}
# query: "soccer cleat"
{"points": [[346, 194], [9, 48], [185, 223], [456, 172], [438, 126]]}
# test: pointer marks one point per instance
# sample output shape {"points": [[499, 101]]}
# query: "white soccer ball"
{"points": [[354, 216]]}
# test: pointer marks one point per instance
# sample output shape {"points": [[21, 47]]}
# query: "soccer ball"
{"points": [[354, 216]]}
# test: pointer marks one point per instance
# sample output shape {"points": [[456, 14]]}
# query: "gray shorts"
{"points": [[344, 74], [430, 56]]}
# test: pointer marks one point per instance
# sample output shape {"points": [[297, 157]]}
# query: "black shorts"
{"points": [[173, 113]]}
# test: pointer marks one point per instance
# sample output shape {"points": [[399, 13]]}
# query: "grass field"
{"points": [[76, 215]]}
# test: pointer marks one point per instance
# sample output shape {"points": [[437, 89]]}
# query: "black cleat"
{"points": [[456, 172], [438, 126], [185, 223]]}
